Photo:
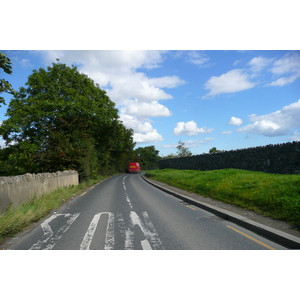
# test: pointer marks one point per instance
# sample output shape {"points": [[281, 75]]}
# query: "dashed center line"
{"points": [[127, 197]]}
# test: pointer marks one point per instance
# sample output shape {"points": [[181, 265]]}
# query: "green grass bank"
{"points": [[273, 195], [14, 220]]}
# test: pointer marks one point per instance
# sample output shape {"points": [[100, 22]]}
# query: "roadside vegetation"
{"points": [[61, 120], [15, 220], [272, 195]]}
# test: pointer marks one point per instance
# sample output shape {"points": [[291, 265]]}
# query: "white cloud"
{"points": [[120, 74], [136, 124], [190, 128], [137, 86], [235, 121], [257, 64], [143, 130], [145, 109], [278, 123], [149, 137], [197, 58], [289, 66], [117, 72], [289, 63], [233, 81], [166, 81], [283, 81]]}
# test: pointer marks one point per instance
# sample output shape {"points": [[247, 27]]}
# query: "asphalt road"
{"points": [[126, 213]]}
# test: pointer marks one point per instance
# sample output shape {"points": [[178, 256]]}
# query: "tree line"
{"points": [[62, 120]]}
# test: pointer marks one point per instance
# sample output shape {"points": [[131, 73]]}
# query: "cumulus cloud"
{"points": [[145, 109], [120, 74], [143, 130], [190, 128], [278, 123], [235, 121], [233, 81], [136, 124], [148, 137], [166, 82], [138, 86], [284, 71]]}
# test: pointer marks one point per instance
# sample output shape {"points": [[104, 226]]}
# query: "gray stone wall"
{"points": [[16, 190], [279, 158]]}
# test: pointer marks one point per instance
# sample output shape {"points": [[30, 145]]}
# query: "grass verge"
{"points": [[15, 220], [272, 195]]}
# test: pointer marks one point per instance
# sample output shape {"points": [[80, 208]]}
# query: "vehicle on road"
{"points": [[134, 167]]}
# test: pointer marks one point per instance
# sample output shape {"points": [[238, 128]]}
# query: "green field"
{"points": [[272, 195]]}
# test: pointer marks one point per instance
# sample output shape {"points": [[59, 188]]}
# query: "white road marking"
{"points": [[110, 235], [148, 230], [129, 238], [128, 200], [124, 186], [90, 233], [48, 232], [150, 242], [127, 197], [146, 245], [154, 239], [109, 238]]}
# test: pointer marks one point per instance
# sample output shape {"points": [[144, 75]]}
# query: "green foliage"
{"points": [[6, 167], [214, 150], [63, 120], [273, 195], [5, 86], [170, 155], [182, 150], [148, 157]]}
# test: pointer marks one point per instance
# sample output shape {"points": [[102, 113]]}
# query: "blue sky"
{"points": [[224, 99]]}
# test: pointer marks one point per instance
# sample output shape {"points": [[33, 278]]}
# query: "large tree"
{"points": [[148, 156], [66, 121]]}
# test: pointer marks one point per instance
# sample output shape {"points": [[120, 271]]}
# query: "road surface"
{"points": [[126, 213]]}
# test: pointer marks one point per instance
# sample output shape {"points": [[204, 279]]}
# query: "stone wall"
{"points": [[16, 190], [279, 158]]}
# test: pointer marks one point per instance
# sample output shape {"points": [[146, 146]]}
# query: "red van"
{"points": [[134, 167]]}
